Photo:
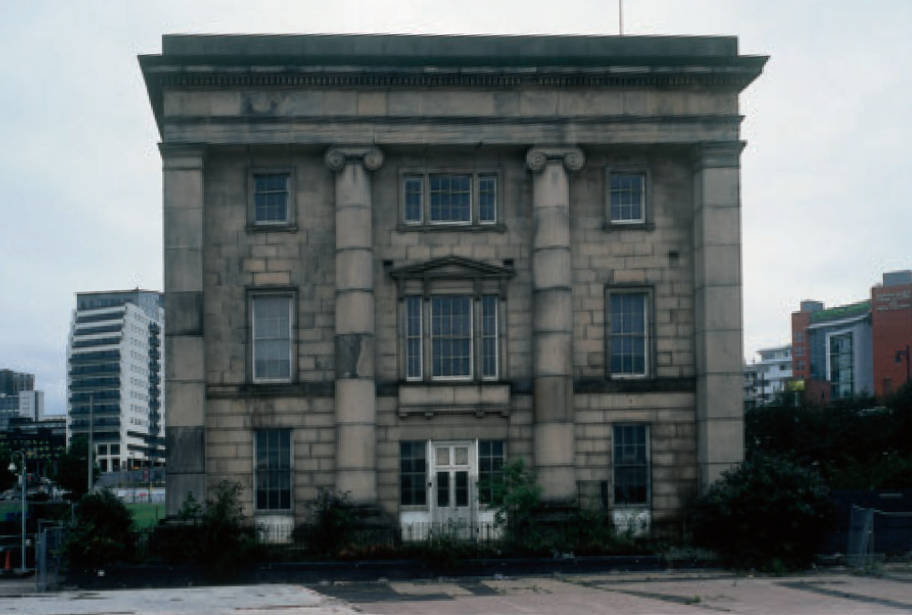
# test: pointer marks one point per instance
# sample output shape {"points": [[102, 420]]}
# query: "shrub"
{"points": [[101, 534], [332, 523], [214, 536], [518, 497], [768, 513]]}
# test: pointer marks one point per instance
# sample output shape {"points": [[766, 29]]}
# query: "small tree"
{"points": [[72, 469], [518, 496], [768, 513], [101, 534]]}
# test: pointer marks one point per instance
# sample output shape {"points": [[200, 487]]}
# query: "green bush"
{"points": [[101, 533], [214, 536], [518, 499], [769, 513], [332, 524]]}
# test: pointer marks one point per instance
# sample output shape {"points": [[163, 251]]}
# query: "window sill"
{"points": [[636, 226], [455, 227], [272, 228]]}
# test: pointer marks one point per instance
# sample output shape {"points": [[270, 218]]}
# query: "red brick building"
{"points": [[891, 316], [856, 349]]}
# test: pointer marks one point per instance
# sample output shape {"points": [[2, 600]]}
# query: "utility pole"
{"points": [[91, 444]]}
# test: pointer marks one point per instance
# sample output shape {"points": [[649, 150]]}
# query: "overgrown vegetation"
{"points": [[72, 473], [331, 526], [101, 533], [214, 536], [854, 444], [769, 513]]}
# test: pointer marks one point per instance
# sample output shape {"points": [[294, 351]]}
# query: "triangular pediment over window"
{"points": [[451, 268]]}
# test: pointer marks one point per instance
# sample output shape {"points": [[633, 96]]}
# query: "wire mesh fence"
{"points": [[874, 533]]}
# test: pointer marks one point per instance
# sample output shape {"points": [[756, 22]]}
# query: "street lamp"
{"points": [[12, 468]]}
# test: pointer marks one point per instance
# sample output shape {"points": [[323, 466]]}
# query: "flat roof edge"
{"points": [[447, 46]]}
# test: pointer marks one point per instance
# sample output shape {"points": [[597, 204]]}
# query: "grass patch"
{"points": [[146, 515]]}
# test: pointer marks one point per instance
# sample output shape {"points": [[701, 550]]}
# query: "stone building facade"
{"points": [[393, 263]]}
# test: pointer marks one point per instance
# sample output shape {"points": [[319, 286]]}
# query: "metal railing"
{"points": [[474, 531]]}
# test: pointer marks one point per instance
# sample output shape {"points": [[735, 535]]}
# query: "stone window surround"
{"points": [[614, 466], [475, 292], [251, 293], [649, 290], [291, 471], [647, 224], [291, 222], [475, 224]]}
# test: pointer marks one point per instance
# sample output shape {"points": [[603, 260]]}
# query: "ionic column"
{"points": [[552, 320], [717, 308], [185, 373], [355, 402]]}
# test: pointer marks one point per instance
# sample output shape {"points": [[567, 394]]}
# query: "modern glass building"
{"points": [[114, 377]]}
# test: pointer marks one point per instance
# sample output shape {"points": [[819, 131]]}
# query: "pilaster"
{"points": [[355, 399], [552, 321], [717, 308], [185, 386]]}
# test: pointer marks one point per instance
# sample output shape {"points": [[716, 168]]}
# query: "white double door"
{"points": [[454, 489]]}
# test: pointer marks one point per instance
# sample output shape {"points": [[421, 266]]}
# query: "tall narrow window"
{"points": [[273, 469], [487, 199], [412, 473], [628, 333], [842, 377], [631, 465], [626, 197], [271, 337], [451, 336], [490, 471], [489, 336], [413, 189], [413, 336], [270, 198], [451, 196]]}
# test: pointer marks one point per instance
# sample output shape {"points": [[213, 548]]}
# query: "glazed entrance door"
{"points": [[454, 497]]}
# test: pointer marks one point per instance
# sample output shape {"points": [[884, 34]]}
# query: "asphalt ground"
{"points": [[830, 592]]}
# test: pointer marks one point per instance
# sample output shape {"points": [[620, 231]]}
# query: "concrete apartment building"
{"points": [[766, 379], [114, 377], [393, 263]]}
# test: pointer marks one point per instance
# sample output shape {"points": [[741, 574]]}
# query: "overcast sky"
{"points": [[826, 196]]}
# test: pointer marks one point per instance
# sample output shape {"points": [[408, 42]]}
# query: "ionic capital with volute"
{"points": [[338, 156], [572, 157]]}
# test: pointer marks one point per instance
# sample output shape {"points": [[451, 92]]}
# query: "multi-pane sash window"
{"points": [[273, 469], [272, 328], [413, 187], [841, 366], [489, 336], [487, 199], [455, 337], [449, 198], [270, 198], [451, 336], [627, 197], [413, 473], [631, 465], [628, 333], [413, 338], [490, 470]]}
